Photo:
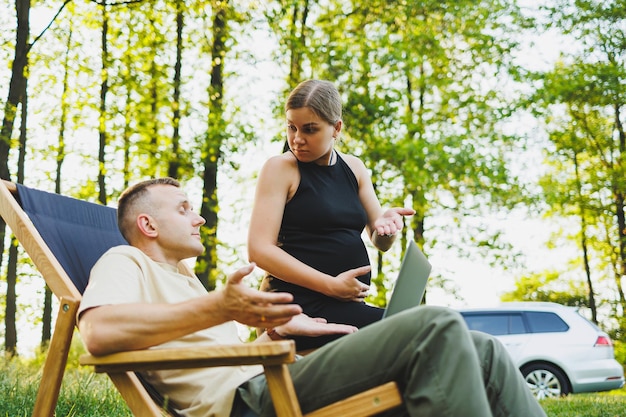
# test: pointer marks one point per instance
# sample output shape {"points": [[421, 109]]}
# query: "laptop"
{"points": [[410, 286]]}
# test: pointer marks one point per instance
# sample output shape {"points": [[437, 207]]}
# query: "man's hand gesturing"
{"points": [[255, 308]]}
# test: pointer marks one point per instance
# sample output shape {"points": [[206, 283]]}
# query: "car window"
{"points": [[516, 324], [545, 322], [496, 323]]}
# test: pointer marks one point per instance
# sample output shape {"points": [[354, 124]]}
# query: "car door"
{"points": [[508, 327]]}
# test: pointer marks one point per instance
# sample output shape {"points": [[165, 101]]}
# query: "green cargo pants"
{"points": [[442, 368]]}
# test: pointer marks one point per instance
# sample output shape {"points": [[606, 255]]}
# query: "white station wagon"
{"points": [[557, 350]]}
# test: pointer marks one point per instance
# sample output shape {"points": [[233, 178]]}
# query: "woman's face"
{"points": [[310, 138]]}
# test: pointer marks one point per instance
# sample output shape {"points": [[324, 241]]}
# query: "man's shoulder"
{"points": [[124, 250], [118, 253]]}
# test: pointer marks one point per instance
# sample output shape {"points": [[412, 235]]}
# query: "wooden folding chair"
{"points": [[58, 254]]}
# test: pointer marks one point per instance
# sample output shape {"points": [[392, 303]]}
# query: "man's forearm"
{"points": [[115, 328]]}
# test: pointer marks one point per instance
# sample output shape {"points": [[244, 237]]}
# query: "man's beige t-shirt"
{"points": [[124, 275]]}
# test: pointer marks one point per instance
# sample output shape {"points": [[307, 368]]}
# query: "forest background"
{"points": [[500, 122]]}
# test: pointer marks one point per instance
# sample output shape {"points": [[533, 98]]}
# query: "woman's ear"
{"points": [[146, 225], [338, 126]]}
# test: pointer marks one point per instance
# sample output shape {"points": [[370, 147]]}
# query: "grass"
{"points": [[602, 404], [86, 394], [83, 393]]}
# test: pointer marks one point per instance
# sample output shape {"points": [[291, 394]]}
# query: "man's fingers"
{"points": [[263, 297], [237, 276], [273, 315], [334, 328]]}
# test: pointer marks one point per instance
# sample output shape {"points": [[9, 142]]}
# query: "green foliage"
{"points": [[620, 351], [582, 100], [548, 286], [618, 334]]}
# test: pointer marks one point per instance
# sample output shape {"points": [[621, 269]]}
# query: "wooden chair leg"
{"points": [[135, 396], [367, 403], [54, 367], [282, 391]]}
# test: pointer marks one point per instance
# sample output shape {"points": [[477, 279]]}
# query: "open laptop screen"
{"points": [[410, 286]]}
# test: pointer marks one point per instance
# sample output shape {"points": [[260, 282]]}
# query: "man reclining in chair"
{"points": [[138, 298]]}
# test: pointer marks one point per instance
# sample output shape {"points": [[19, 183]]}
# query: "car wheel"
{"points": [[545, 380]]}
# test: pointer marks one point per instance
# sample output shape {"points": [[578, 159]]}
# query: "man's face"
{"points": [[178, 226]]}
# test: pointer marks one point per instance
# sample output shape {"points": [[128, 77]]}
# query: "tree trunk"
{"points": [[10, 336], [16, 85], [619, 207], [174, 162], [104, 88], [11, 317], [583, 243], [17, 88], [207, 262]]}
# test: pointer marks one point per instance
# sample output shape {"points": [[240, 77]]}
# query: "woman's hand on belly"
{"points": [[347, 287]]}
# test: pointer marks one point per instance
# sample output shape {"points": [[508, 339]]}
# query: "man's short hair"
{"points": [[130, 198]]}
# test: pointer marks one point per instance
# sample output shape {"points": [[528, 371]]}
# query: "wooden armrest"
{"points": [[270, 353]]}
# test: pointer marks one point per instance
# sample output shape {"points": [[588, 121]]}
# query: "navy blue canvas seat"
{"points": [[77, 232]]}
